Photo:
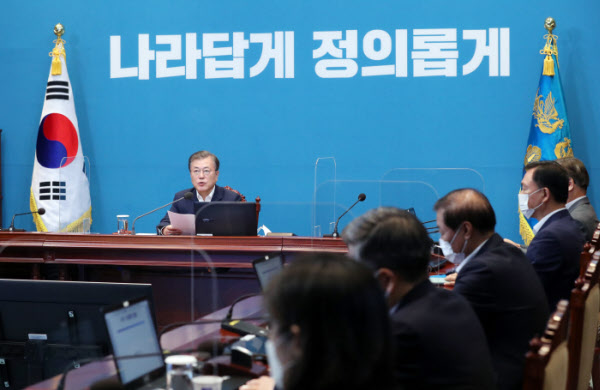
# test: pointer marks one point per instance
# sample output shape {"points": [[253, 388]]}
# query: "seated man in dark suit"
{"points": [[578, 203], [204, 172], [439, 341], [496, 278], [558, 242]]}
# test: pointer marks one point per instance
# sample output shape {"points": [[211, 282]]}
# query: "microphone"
{"points": [[40, 211], [335, 234], [187, 196], [239, 326]]}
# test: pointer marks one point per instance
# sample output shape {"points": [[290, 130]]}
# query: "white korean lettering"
{"points": [[343, 66], [145, 55], [174, 42], [434, 52], [192, 55], [115, 60]]}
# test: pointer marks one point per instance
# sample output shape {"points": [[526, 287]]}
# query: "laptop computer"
{"points": [[132, 332], [267, 267], [226, 218]]}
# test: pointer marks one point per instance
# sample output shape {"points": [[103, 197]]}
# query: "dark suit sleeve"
{"points": [[586, 218], [545, 254], [407, 351], [474, 283]]}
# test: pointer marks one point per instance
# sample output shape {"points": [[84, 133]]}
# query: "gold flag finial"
{"points": [[59, 30], [56, 68], [550, 24], [550, 48]]}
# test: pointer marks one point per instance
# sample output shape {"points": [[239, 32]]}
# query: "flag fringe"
{"points": [[525, 229], [75, 226]]}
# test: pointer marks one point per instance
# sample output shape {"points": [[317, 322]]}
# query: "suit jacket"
{"points": [[439, 343], [554, 253], [507, 296], [583, 212], [186, 206]]}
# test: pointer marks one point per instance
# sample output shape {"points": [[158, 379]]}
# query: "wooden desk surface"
{"points": [[191, 276], [157, 251]]}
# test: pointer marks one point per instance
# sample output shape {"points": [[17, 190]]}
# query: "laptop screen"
{"points": [[226, 218], [132, 332], [266, 268]]}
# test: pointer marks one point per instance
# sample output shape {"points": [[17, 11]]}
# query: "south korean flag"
{"points": [[59, 183]]}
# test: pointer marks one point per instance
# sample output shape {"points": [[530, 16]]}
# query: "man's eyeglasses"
{"points": [[205, 172]]}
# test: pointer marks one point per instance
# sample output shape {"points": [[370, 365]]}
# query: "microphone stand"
{"points": [[188, 195], [12, 228], [335, 233]]}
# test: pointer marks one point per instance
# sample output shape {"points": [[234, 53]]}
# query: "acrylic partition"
{"points": [[419, 188], [414, 189], [70, 193], [194, 279], [324, 197]]}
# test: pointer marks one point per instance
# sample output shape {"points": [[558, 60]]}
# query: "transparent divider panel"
{"points": [[324, 196], [418, 189], [68, 192]]}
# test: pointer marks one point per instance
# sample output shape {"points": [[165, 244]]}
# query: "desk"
{"points": [[179, 339], [190, 276]]}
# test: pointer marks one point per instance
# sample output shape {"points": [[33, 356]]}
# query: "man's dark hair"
{"points": [[467, 204], [576, 171], [345, 337], [202, 155], [391, 238], [553, 176]]}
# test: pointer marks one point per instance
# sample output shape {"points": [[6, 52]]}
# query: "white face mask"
{"points": [[275, 366], [455, 258], [524, 204]]}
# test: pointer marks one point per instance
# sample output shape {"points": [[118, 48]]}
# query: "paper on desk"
{"points": [[184, 222]]}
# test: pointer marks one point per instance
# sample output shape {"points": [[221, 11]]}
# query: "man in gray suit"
{"points": [[578, 203]]}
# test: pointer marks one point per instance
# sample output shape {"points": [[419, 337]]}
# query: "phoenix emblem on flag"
{"points": [[563, 149], [546, 115], [534, 153]]}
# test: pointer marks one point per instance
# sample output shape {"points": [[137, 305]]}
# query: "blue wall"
{"points": [[269, 132]]}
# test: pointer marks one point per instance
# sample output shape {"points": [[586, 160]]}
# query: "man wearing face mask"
{"points": [[495, 277], [439, 340], [555, 249]]}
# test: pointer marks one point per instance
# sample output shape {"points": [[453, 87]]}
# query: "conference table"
{"points": [[187, 339], [191, 276]]}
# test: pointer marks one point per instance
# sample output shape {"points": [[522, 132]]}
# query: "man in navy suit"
{"points": [[554, 251], [204, 172], [496, 278], [578, 204], [439, 342]]}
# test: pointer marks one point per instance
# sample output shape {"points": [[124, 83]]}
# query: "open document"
{"points": [[184, 222]]}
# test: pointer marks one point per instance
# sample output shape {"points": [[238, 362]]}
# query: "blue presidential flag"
{"points": [[59, 182], [550, 133]]}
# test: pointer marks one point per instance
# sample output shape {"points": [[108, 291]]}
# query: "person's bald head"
{"points": [[467, 205]]}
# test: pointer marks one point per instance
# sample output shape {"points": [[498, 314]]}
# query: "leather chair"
{"points": [[546, 363], [257, 201], [584, 306]]}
